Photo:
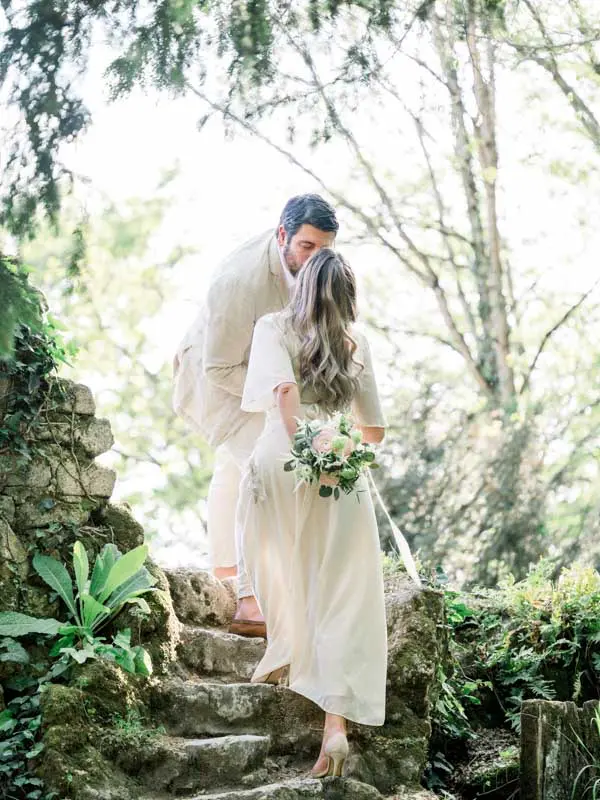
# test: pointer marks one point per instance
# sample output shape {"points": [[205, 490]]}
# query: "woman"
{"points": [[315, 562]]}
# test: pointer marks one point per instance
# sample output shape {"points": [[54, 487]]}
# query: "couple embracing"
{"points": [[277, 343]]}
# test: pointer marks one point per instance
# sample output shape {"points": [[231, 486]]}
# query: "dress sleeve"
{"points": [[366, 406], [269, 366]]}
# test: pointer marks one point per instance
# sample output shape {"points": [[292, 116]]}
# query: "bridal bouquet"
{"points": [[331, 454]]}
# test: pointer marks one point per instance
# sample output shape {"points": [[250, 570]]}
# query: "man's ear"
{"points": [[281, 236]]}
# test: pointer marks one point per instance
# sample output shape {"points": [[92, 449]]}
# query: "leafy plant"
{"points": [[20, 726], [35, 354], [115, 581], [538, 637], [129, 731]]}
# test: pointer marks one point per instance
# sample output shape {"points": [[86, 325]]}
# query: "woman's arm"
{"points": [[288, 402]]}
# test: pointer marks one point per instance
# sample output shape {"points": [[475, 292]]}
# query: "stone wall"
{"points": [[58, 494]]}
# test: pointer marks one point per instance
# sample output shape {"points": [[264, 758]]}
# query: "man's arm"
{"points": [[229, 326]]}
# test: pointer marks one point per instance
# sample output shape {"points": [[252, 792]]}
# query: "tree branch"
{"points": [[583, 111], [547, 336]]}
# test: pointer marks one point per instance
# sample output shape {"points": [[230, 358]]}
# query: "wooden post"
{"points": [[558, 740]]}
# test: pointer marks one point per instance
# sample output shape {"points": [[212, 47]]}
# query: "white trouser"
{"points": [[224, 540]]}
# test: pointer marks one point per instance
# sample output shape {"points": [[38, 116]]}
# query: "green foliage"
{"points": [[541, 638], [20, 735], [130, 730], [37, 351], [158, 43], [536, 638], [20, 303], [116, 580]]}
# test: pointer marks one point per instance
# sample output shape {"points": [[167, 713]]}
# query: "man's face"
{"points": [[303, 244]]}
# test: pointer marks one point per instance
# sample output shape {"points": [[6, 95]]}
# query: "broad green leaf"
{"points": [[105, 561], [34, 752], [64, 641], [81, 565], [12, 623], [66, 629], [123, 638], [14, 651], [93, 612], [139, 583], [56, 576], [124, 658], [123, 570], [142, 661], [7, 721], [80, 656], [141, 603]]}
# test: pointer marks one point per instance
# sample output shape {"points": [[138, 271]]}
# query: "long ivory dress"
{"points": [[314, 562]]}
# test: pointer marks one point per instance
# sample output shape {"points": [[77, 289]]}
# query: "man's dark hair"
{"points": [[308, 209]]}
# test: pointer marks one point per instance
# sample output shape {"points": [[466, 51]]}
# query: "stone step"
{"points": [[301, 789], [199, 598], [210, 651], [178, 765], [196, 708], [296, 789]]}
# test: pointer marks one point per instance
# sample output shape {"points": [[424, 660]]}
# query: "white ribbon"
{"points": [[401, 542]]}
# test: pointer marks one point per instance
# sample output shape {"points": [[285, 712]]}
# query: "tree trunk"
{"points": [[479, 38]]}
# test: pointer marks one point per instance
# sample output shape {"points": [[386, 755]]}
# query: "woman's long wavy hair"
{"points": [[321, 313]]}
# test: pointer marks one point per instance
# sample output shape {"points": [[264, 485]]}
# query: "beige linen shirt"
{"points": [[210, 365]]}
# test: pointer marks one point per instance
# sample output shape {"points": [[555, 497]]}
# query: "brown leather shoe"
{"points": [[248, 627]]}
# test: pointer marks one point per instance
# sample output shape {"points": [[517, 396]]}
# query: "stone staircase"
{"points": [[228, 739]]}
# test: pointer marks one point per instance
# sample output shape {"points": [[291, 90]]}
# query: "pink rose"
{"points": [[322, 441]]}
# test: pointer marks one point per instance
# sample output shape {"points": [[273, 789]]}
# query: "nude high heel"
{"points": [[336, 751]]}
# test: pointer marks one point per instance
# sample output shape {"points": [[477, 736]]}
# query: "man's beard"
{"points": [[290, 261]]}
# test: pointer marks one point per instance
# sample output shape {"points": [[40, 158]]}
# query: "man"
{"points": [[211, 363]]}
